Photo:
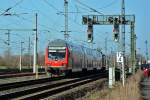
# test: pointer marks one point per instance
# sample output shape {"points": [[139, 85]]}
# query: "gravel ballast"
{"points": [[79, 92]]}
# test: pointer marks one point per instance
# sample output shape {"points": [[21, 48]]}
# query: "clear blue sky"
{"points": [[50, 19]]}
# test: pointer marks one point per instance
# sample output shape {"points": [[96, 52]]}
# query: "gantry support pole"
{"points": [[133, 48]]}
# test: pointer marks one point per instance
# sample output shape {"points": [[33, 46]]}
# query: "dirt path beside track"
{"points": [[145, 89]]}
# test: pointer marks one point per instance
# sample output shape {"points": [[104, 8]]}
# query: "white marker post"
{"points": [[110, 77], [120, 59]]}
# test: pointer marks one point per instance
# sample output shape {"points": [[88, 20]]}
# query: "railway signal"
{"points": [[90, 32], [116, 29], [116, 37], [116, 20]]}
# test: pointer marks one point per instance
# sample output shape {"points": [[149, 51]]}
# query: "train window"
{"points": [[56, 55]]}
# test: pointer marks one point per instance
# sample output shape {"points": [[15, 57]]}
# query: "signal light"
{"points": [[90, 33], [90, 37], [116, 31], [110, 19], [116, 37], [116, 20], [85, 20], [123, 20]]}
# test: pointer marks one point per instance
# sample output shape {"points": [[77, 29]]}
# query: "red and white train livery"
{"points": [[62, 57]]}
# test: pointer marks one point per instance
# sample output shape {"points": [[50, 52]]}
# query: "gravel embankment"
{"points": [[79, 92]]}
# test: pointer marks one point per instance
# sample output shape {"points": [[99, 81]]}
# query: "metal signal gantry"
{"points": [[116, 20], [108, 19]]}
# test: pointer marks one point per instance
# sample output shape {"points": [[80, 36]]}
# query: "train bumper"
{"points": [[57, 70]]}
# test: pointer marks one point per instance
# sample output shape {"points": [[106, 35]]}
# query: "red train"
{"points": [[63, 57]]}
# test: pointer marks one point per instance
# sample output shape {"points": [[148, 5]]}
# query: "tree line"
{"points": [[11, 60]]}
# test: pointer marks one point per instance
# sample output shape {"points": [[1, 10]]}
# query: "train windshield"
{"points": [[56, 54]]}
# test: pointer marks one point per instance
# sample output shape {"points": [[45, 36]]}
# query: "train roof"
{"points": [[57, 43], [63, 43]]}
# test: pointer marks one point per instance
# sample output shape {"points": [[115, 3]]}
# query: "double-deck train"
{"points": [[62, 57]]}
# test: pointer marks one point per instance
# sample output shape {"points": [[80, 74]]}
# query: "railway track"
{"points": [[18, 75], [43, 88], [14, 71], [14, 85]]}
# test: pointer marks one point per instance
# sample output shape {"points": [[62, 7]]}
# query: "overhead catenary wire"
{"points": [[13, 22], [84, 8], [41, 13], [26, 18], [50, 5], [15, 5], [71, 18], [55, 23], [89, 7], [58, 11], [44, 26], [108, 5]]}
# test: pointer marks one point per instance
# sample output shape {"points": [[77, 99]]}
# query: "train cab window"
{"points": [[56, 55]]}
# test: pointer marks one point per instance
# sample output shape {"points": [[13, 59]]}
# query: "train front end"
{"points": [[56, 58]]}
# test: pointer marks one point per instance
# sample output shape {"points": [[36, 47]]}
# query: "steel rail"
{"points": [[27, 83], [17, 75], [50, 89]]}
